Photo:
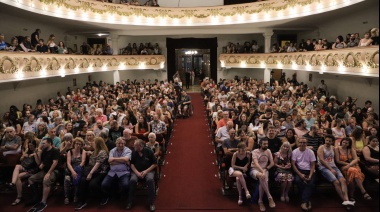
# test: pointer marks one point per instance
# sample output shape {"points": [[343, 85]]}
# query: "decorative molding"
{"points": [[96, 11], [363, 61], [15, 66]]}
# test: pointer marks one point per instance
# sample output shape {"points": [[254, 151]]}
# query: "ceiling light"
{"points": [[191, 52]]}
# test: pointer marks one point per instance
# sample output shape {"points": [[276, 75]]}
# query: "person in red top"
{"points": [[222, 122]]}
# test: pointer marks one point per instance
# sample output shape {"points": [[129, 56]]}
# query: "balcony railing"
{"points": [[363, 61], [96, 11], [16, 66]]}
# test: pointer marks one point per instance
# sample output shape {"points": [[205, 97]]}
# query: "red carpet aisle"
{"points": [[190, 181]]}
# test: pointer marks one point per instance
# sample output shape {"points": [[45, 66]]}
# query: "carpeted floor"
{"points": [[189, 181]]}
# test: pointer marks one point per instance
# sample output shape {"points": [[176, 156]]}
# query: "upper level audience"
{"points": [[142, 49], [370, 38]]}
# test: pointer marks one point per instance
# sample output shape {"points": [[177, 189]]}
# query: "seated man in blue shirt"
{"points": [[120, 171], [3, 45]]}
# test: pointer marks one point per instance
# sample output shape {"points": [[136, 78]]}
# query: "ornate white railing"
{"points": [[96, 11], [16, 66], [362, 61]]}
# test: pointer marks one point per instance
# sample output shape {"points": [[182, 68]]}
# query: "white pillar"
{"points": [[267, 44], [267, 75], [116, 76], [114, 43]]}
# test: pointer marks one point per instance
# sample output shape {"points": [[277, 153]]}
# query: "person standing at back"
{"points": [[187, 78], [35, 37]]}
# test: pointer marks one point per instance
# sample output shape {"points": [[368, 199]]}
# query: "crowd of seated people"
{"points": [[247, 47], [142, 49], [352, 40], [96, 137], [35, 43], [292, 133], [370, 38]]}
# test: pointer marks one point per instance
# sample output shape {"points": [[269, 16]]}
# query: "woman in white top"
{"points": [[51, 44], [366, 41], [291, 48]]}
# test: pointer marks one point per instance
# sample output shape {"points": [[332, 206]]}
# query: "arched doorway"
{"points": [[191, 43]]}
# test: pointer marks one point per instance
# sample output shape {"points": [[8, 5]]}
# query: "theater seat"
{"points": [[10, 160]]}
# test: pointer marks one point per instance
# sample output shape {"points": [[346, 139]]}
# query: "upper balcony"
{"points": [[360, 61], [256, 12], [352, 61], [15, 66]]}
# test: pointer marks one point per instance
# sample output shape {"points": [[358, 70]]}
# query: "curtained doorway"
{"points": [[176, 48]]}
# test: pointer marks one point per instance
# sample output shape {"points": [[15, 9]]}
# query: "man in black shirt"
{"points": [[274, 143], [35, 37], [143, 163], [115, 131], [309, 46], [85, 48], [41, 47], [110, 144], [77, 124], [49, 160]]}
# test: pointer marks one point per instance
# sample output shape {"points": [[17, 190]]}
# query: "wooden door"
{"points": [[277, 74]]}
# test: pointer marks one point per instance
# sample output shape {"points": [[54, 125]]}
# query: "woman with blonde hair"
{"points": [[374, 36], [283, 174], [94, 172]]}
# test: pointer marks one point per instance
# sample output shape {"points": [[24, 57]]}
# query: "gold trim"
{"points": [[152, 12], [28, 66], [13, 67], [50, 66]]}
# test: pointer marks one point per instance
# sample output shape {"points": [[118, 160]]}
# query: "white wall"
{"points": [[14, 26], [358, 21], [45, 88], [143, 74], [241, 72], [189, 3]]}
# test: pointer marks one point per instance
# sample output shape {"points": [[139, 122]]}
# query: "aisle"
{"points": [[189, 180]]}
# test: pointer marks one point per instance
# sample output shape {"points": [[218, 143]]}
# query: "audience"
{"points": [[146, 110], [370, 38]]}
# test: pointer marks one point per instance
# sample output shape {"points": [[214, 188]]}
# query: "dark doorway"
{"points": [[197, 61], [283, 38], [93, 42], [191, 43]]}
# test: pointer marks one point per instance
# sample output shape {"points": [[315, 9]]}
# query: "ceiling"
{"points": [[87, 28]]}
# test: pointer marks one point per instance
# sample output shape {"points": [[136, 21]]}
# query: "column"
{"points": [[267, 44], [116, 76], [114, 43], [267, 75], [268, 37]]}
